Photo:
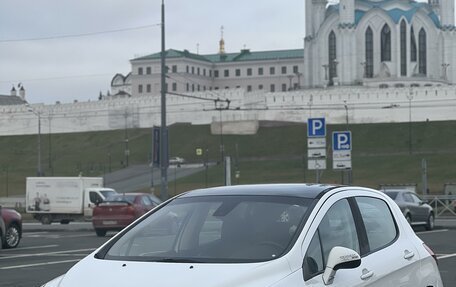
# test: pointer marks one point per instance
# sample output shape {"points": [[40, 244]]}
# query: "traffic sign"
{"points": [[342, 141], [316, 127], [316, 143], [316, 164], [199, 151], [342, 164], [316, 153], [342, 155]]}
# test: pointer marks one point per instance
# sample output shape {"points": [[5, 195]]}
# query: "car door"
{"points": [[392, 259], [421, 210], [334, 226]]}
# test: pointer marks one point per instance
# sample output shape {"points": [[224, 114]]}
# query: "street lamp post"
{"points": [[410, 98], [163, 130], [38, 114]]}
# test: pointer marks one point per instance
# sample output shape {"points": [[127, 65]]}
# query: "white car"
{"points": [[283, 235]]}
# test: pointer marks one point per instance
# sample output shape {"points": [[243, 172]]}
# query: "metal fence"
{"points": [[442, 204]]}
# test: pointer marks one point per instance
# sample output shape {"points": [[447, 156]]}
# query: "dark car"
{"points": [[415, 210], [119, 210], [10, 227]]}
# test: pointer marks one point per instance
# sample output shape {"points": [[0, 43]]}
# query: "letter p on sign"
{"points": [[316, 127], [342, 140]]}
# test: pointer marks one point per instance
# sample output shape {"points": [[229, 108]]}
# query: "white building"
{"points": [[269, 71], [380, 43]]}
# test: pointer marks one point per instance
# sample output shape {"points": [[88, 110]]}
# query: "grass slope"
{"points": [[381, 154]]}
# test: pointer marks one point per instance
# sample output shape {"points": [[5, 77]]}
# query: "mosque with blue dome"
{"points": [[380, 43]]}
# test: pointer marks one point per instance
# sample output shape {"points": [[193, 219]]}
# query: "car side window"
{"points": [[94, 197], [415, 198], [379, 223], [408, 197], [337, 228], [146, 201]]}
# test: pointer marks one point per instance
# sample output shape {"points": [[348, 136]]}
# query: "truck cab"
{"points": [[94, 196]]}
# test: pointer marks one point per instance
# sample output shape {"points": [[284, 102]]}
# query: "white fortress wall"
{"points": [[363, 105]]}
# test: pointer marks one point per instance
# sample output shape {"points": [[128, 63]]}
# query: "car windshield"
{"points": [[122, 197], [108, 193], [214, 229]]}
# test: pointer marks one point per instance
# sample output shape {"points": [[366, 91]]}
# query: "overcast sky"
{"points": [[65, 69], [78, 68]]}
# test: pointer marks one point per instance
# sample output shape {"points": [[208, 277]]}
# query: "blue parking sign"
{"points": [[316, 127], [342, 141]]}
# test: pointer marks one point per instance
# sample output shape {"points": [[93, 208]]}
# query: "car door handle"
{"points": [[408, 254], [367, 274]]}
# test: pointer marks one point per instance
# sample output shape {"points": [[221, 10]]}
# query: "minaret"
{"points": [[435, 5], [347, 11], [309, 18], [222, 42], [319, 13], [13, 92], [447, 13]]}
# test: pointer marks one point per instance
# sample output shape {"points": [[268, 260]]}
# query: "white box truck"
{"points": [[64, 199]]}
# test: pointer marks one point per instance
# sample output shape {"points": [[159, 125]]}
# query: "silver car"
{"points": [[415, 210]]}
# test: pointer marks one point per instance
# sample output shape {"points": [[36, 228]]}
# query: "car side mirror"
{"points": [[340, 258]]}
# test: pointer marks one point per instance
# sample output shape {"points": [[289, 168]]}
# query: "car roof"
{"points": [[295, 190]]}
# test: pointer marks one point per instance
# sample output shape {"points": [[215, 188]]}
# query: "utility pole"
{"points": [[163, 130]]}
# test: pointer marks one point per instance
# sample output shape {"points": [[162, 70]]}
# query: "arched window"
{"points": [[422, 52], [369, 43], [386, 44], [412, 45], [332, 56], [403, 48]]}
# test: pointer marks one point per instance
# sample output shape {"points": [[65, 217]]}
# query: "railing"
{"points": [[442, 204]]}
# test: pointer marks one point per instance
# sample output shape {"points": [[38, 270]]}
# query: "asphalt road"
{"points": [[49, 251]]}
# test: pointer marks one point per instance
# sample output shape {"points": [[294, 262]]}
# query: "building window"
{"points": [[188, 87], [249, 71], [238, 72], [140, 71], [174, 87], [284, 70], [226, 88], [369, 64], [216, 88], [216, 73], [148, 88], [332, 55], [295, 69], [260, 71], [193, 70], [193, 87], [412, 46], [249, 88], [272, 88], [140, 89], [210, 73], [199, 88], [284, 87], [174, 68], [403, 48], [204, 72], [386, 44], [226, 73], [260, 87], [422, 46], [187, 69], [148, 70], [204, 88], [198, 71], [272, 70]]}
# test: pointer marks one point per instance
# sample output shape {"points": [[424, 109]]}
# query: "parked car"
{"points": [[176, 160], [119, 210], [10, 228], [264, 235], [415, 210]]}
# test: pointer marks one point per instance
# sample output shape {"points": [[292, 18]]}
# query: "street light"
{"points": [[38, 114], [410, 98]]}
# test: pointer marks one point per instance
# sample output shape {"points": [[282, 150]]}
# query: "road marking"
{"points": [[47, 254], [28, 248], [446, 256], [432, 231], [39, 264]]}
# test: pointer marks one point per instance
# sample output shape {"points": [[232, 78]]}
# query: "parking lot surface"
{"points": [[47, 252]]}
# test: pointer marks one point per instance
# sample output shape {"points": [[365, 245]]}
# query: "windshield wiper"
{"points": [[176, 260]]}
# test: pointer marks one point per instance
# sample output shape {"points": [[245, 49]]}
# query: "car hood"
{"points": [[91, 272]]}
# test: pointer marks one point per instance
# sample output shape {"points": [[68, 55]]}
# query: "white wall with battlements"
{"points": [[357, 104]]}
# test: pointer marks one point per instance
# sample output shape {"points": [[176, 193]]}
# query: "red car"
{"points": [[10, 228], [119, 210]]}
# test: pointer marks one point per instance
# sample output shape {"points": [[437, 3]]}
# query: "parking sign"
{"points": [[316, 127], [342, 141]]}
